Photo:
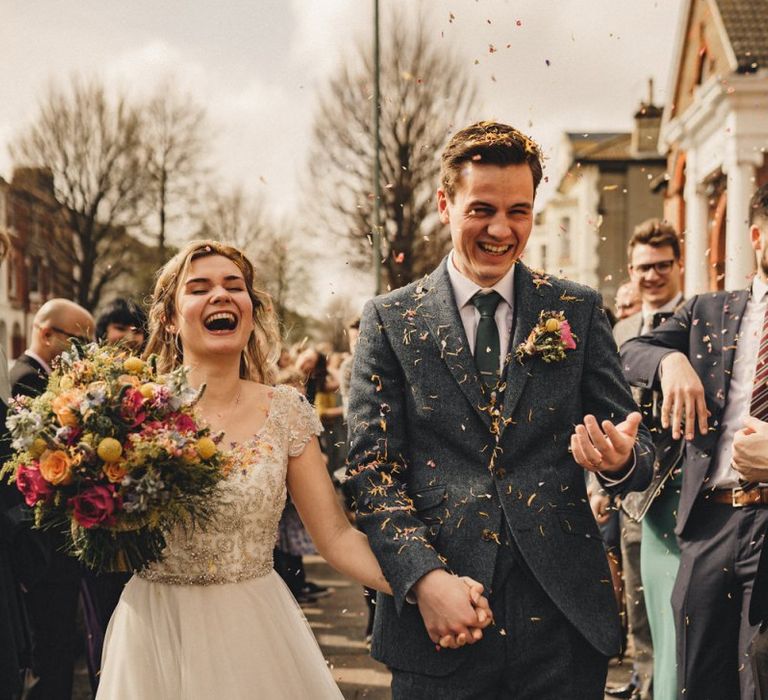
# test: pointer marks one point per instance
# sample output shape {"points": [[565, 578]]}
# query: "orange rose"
{"points": [[114, 472], [55, 467], [130, 379], [63, 406]]}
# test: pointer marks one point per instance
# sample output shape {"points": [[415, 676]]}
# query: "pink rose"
{"points": [[31, 483], [131, 409], [96, 506], [184, 423], [566, 336]]}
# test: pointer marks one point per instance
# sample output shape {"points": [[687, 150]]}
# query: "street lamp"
{"points": [[377, 157]]}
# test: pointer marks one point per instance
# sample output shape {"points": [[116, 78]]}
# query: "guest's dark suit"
{"points": [[51, 578], [14, 636], [434, 489], [719, 544], [758, 615]]}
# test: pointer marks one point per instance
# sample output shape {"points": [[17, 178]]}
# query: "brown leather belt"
{"points": [[738, 498]]}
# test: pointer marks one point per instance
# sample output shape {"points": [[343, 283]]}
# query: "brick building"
{"points": [[32, 272]]}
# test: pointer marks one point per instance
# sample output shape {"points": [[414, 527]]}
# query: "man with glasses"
{"points": [[55, 325], [50, 578], [654, 267]]}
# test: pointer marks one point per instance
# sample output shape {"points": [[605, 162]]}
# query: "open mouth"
{"points": [[221, 321], [493, 249]]}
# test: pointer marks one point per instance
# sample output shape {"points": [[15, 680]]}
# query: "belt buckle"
{"points": [[735, 493]]}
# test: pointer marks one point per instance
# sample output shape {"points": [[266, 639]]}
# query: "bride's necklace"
{"points": [[226, 413]]}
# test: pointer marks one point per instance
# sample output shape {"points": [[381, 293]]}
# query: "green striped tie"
{"points": [[487, 347]]}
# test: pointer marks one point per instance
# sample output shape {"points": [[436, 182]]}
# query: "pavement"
{"points": [[338, 622]]}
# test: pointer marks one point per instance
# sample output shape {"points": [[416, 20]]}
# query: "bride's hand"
{"points": [[482, 610]]}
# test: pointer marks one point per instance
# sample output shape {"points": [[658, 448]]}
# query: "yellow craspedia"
{"points": [[38, 447], [133, 365], [206, 447], [109, 450], [147, 390], [552, 325]]}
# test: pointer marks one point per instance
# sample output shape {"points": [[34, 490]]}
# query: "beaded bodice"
{"points": [[237, 544]]}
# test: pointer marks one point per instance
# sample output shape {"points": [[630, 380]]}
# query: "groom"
{"points": [[464, 456]]}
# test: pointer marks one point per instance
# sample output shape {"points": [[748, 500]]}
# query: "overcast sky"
{"points": [[257, 65]]}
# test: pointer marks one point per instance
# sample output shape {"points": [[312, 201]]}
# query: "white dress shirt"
{"points": [[742, 381], [463, 291], [39, 360]]}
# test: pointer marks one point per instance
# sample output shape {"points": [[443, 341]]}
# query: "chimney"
{"points": [[645, 136]]}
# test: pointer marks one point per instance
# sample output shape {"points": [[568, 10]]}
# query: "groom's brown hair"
{"points": [[490, 143]]}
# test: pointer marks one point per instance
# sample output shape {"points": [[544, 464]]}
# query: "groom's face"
{"points": [[490, 218]]}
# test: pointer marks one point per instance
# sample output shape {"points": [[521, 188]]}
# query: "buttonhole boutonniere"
{"points": [[549, 338]]}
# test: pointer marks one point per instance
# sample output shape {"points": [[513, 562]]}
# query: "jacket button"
{"points": [[487, 535], [500, 472]]}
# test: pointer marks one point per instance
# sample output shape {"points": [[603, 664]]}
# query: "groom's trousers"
{"points": [[531, 652]]}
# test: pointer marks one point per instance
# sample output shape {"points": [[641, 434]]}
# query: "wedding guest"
{"points": [[14, 636], [51, 578], [649, 550], [122, 321], [709, 361], [345, 370], [750, 459], [464, 456], [628, 301]]}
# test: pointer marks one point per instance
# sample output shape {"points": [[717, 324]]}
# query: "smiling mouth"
{"points": [[493, 249], [221, 321]]}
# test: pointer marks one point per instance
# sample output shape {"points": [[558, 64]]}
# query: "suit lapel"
{"points": [[441, 315], [732, 315], [530, 300]]}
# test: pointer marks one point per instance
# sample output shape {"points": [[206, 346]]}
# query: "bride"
{"points": [[212, 618]]}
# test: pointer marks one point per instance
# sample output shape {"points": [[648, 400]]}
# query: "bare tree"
{"points": [[91, 145], [332, 324], [243, 221], [425, 91], [234, 217], [281, 267], [174, 144]]}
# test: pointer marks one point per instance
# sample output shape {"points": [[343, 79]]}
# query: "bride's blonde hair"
{"points": [[258, 361]]}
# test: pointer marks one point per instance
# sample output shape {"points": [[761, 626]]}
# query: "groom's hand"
{"points": [[453, 609], [605, 448]]}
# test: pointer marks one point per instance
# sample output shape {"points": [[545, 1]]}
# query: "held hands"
{"points": [[607, 448], [453, 608], [750, 450], [683, 397]]}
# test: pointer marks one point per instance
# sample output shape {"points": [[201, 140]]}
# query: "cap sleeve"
{"points": [[301, 422]]}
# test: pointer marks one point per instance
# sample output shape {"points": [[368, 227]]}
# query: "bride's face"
{"points": [[214, 311]]}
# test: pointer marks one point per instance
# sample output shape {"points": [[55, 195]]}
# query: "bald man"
{"points": [[56, 323], [51, 579]]}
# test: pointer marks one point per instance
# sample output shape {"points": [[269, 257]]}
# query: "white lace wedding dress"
{"points": [[212, 620]]}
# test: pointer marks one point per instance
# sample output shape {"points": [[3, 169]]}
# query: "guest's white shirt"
{"points": [[742, 381], [39, 360], [463, 291]]}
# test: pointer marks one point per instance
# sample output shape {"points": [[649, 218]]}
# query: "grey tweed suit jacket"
{"points": [[437, 477]]}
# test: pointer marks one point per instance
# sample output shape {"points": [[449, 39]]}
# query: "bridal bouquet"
{"points": [[113, 455]]}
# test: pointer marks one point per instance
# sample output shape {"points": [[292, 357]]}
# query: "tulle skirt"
{"points": [[245, 640]]}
